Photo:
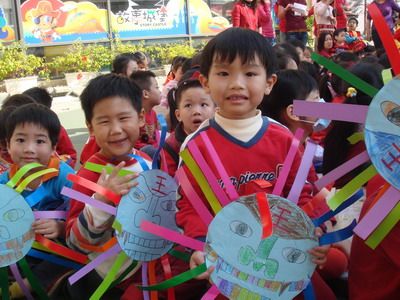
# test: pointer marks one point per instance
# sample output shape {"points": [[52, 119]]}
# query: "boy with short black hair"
{"points": [[114, 115], [237, 76], [151, 96]]}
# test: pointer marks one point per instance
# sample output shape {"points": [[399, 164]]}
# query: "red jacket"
{"points": [[172, 147], [148, 131], [89, 149], [265, 19], [65, 147], [244, 16], [341, 18]]}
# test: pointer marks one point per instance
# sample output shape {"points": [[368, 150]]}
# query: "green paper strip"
{"points": [[32, 279], [387, 75], [117, 226], [177, 280], [179, 254], [355, 138], [201, 180], [4, 284], [351, 187], [107, 281], [99, 168], [384, 228], [32, 177], [21, 172], [345, 75], [124, 274]]}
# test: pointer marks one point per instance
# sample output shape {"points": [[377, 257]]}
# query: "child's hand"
{"points": [[120, 185], [196, 260], [319, 253], [49, 228]]}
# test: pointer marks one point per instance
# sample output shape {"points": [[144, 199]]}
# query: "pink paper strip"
{"points": [[88, 200], [211, 294], [342, 170], [193, 197], [302, 173], [20, 281], [377, 213], [145, 281], [212, 180], [332, 111], [287, 164], [50, 214], [230, 189], [114, 250], [172, 236]]}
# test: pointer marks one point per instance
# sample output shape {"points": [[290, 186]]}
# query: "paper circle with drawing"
{"points": [[16, 218], [278, 267], [382, 132], [153, 200]]}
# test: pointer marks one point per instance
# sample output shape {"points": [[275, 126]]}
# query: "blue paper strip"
{"points": [[36, 196], [327, 216], [309, 292], [337, 236], [141, 161], [54, 259], [164, 127]]}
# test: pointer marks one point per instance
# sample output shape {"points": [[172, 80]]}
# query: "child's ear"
{"points": [[204, 82], [145, 94], [178, 114], [141, 120], [271, 80], [289, 113]]}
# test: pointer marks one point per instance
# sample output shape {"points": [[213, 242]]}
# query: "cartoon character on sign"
{"points": [[45, 19], [382, 132], [16, 218], [153, 199], [277, 267]]}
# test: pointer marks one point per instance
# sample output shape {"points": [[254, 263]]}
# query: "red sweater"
{"points": [[244, 16], [172, 147], [341, 18], [265, 19], [148, 131], [65, 147]]}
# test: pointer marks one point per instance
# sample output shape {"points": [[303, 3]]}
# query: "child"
{"points": [[124, 64], [65, 149], [237, 77], [193, 107], [32, 131], [113, 113], [173, 78], [142, 60], [353, 37], [151, 97], [340, 41]]}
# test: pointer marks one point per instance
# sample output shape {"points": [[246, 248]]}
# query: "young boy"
{"points": [[354, 38], [339, 36], [151, 97], [237, 77], [32, 131], [113, 113]]}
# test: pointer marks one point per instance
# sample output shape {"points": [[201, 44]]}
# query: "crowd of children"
{"points": [[241, 96]]}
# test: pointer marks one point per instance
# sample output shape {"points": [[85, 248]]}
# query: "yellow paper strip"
{"points": [[356, 137]]}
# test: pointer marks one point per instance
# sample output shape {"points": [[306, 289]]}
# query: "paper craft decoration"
{"points": [[278, 267], [382, 132], [16, 218], [153, 199]]}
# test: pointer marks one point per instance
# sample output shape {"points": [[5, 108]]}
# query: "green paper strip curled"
{"points": [[179, 254], [108, 280], [32, 177], [124, 274], [21, 172], [32, 279], [99, 168], [345, 75], [177, 280], [4, 284]]}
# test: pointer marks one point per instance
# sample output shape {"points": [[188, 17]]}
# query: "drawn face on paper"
{"points": [[153, 199], [16, 218], [382, 132], [278, 267]]}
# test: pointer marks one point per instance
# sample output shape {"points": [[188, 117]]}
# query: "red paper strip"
{"points": [[265, 214], [168, 275], [153, 279], [95, 188]]}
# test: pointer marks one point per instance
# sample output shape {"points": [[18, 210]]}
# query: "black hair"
{"points": [[311, 69], [142, 79], [321, 40], [338, 31], [40, 95], [120, 63], [235, 41], [106, 86], [187, 65], [177, 62], [346, 57], [352, 19], [141, 57], [290, 85], [297, 44], [282, 60], [288, 49], [37, 114], [337, 147], [17, 100], [253, 5]]}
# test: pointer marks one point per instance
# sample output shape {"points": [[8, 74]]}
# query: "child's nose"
{"points": [[29, 147], [116, 127], [237, 82]]}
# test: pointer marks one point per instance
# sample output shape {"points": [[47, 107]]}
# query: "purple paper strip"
{"points": [[287, 164], [94, 263], [145, 282], [230, 189], [21, 283], [211, 294], [377, 213], [50, 214], [88, 200], [342, 170], [302, 173], [331, 111]]}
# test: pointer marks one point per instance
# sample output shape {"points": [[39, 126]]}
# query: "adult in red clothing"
{"points": [[325, 44], [245, 15], [340, 14], [295, 19], [265, 21]]}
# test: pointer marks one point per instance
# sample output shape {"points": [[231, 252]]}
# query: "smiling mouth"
{"points": [[118, 141]]}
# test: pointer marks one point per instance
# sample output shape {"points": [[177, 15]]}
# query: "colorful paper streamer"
{"points": [[337, 236], [145, 281], [4, 283], [50, 214], [18, 278], [21, 172], [54, 259], [99, 168], [35, 285], [32, 177], [211, 294], [265, 215]]}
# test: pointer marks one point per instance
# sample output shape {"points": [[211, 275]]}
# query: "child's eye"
{"points": [[124, 118], [204, 104], [188, 105], [222, 73], [20, 140], [251, 74], [40, 141]]}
